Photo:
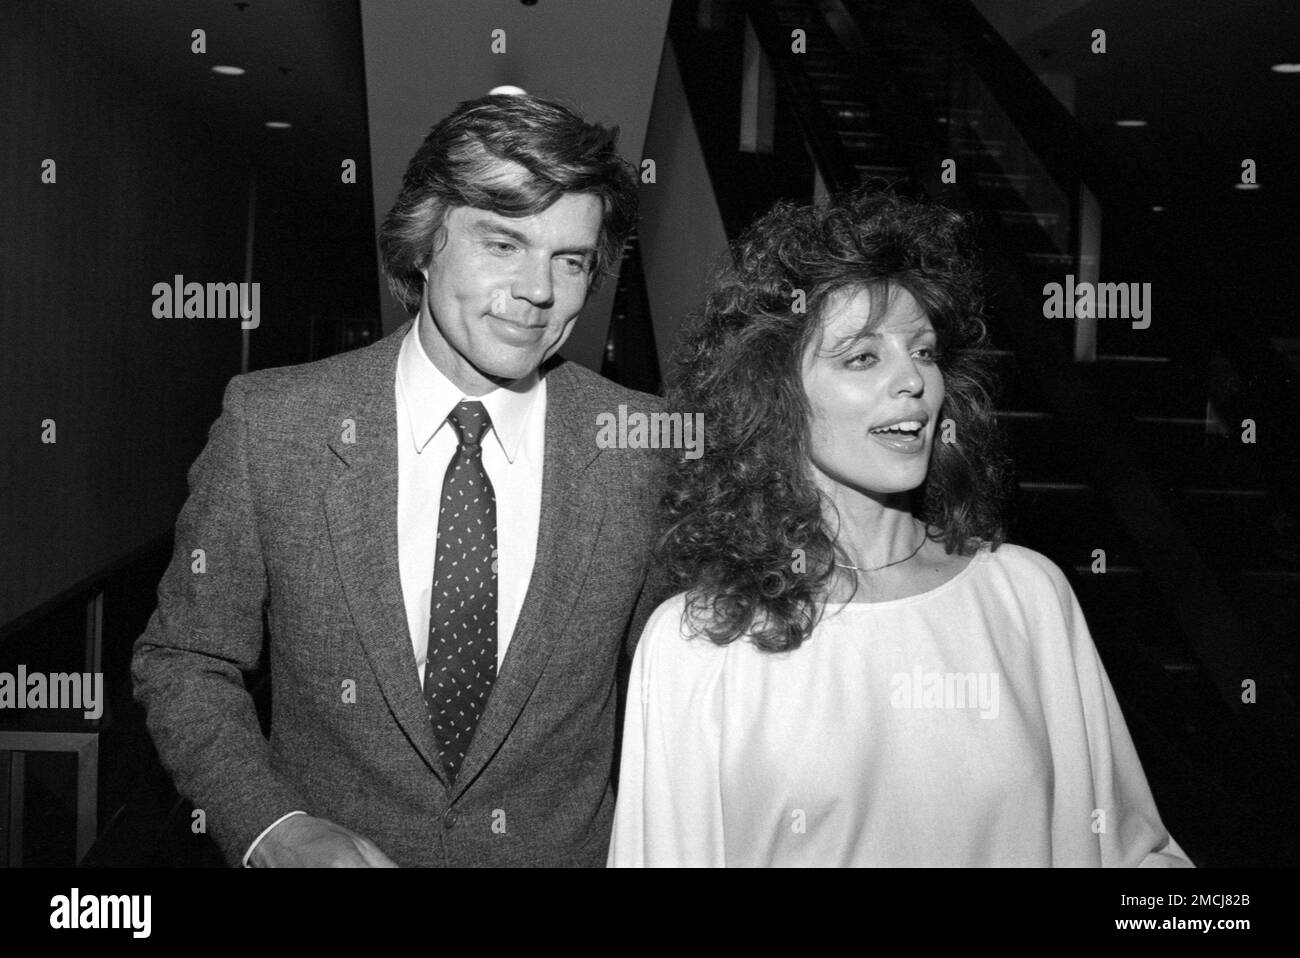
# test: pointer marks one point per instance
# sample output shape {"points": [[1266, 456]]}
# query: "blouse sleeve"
{"points": [[669, 809], [1124, 819]]}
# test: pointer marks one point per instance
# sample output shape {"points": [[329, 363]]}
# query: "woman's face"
{"points": [[875, 402]]}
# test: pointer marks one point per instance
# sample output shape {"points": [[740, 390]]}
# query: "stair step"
{"points": [[1151, 388], [1178, 457], [1236, 527], [1127, 606], [1033, 231], [848, 115], [827, 85], [866, 170], [1125, 609], [1052, 261], [826, 72], [863, 139], [1067, 521], [1035, 217], [1003, 181], [882, 153], [1233, 528]]}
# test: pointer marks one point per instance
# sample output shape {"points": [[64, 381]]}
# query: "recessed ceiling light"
{"points": [[227, 71], [1246, 186], [1157, 209], [277, 125], [1130, 122], [1285, 68]]}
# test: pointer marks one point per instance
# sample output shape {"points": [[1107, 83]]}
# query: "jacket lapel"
{"points": [[361, 509], [571, 514]]}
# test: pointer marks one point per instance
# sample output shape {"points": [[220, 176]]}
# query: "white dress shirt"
{"points": [[425, 444]]}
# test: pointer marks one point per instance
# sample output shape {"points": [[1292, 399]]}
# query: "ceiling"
{"points": [[1198, 72], [308, 63], [302, 60]]}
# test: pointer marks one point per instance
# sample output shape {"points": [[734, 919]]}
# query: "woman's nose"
{"points": [[907, 377]]}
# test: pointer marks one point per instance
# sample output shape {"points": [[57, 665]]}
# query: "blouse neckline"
{"points": [[942, 587]]}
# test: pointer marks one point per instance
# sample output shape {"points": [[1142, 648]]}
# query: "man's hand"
{"points": [[301, 841]]}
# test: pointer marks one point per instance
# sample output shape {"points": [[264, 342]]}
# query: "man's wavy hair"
{"points": [[740, 515], [514, 155]]}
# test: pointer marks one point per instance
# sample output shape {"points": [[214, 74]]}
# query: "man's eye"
{"points": [[574, 265], [501, 247]]}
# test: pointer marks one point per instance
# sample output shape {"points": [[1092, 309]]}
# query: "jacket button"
{"points": [[450, 817]]}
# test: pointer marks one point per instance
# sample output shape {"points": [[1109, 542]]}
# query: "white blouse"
{"points": [[971, 725]]}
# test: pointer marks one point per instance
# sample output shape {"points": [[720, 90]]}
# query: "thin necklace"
{"points": [[887, 564]]}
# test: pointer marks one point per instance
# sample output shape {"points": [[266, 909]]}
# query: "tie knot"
{"points": [[470, 419]]}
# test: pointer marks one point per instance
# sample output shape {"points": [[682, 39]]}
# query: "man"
{"points": [[449, 564]]}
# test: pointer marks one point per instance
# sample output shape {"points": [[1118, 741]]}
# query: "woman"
{"points": [[859, 671]]}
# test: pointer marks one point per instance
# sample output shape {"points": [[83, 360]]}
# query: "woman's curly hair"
{"points": [[739, 517]]}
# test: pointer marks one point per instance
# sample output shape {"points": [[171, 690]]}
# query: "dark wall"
{"points": [[313, 256], [142, 192]]}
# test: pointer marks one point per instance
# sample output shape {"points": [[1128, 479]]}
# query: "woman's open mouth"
{"points": [[905, 437]]}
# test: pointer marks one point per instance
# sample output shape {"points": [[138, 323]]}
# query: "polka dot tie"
{"points": [[462, 657]]}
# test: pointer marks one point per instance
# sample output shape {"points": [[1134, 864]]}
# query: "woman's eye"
{"points": [[862, 359], [929, 354]]}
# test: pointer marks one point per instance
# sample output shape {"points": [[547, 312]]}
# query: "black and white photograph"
{"points": [[651, 434]]}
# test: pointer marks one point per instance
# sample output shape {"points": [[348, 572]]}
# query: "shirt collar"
{"points": [[429, 397]]}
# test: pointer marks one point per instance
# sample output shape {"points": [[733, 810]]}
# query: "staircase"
{"points": [[1126, 470]]}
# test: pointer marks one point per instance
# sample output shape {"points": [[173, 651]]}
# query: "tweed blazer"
{"points": [[292, 512]]}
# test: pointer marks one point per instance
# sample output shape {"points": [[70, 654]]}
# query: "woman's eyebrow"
{"points": [[848, 340], [842, 344]]}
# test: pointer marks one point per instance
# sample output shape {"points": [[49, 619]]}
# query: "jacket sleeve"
{"points": [[655, 590], [656, 585], [188, 667]]}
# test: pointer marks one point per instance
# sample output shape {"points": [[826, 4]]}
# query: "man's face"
{"points": [[875, 403], [502, 294]]}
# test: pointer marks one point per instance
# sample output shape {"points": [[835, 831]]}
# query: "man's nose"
{"points": [[534, 282]]}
